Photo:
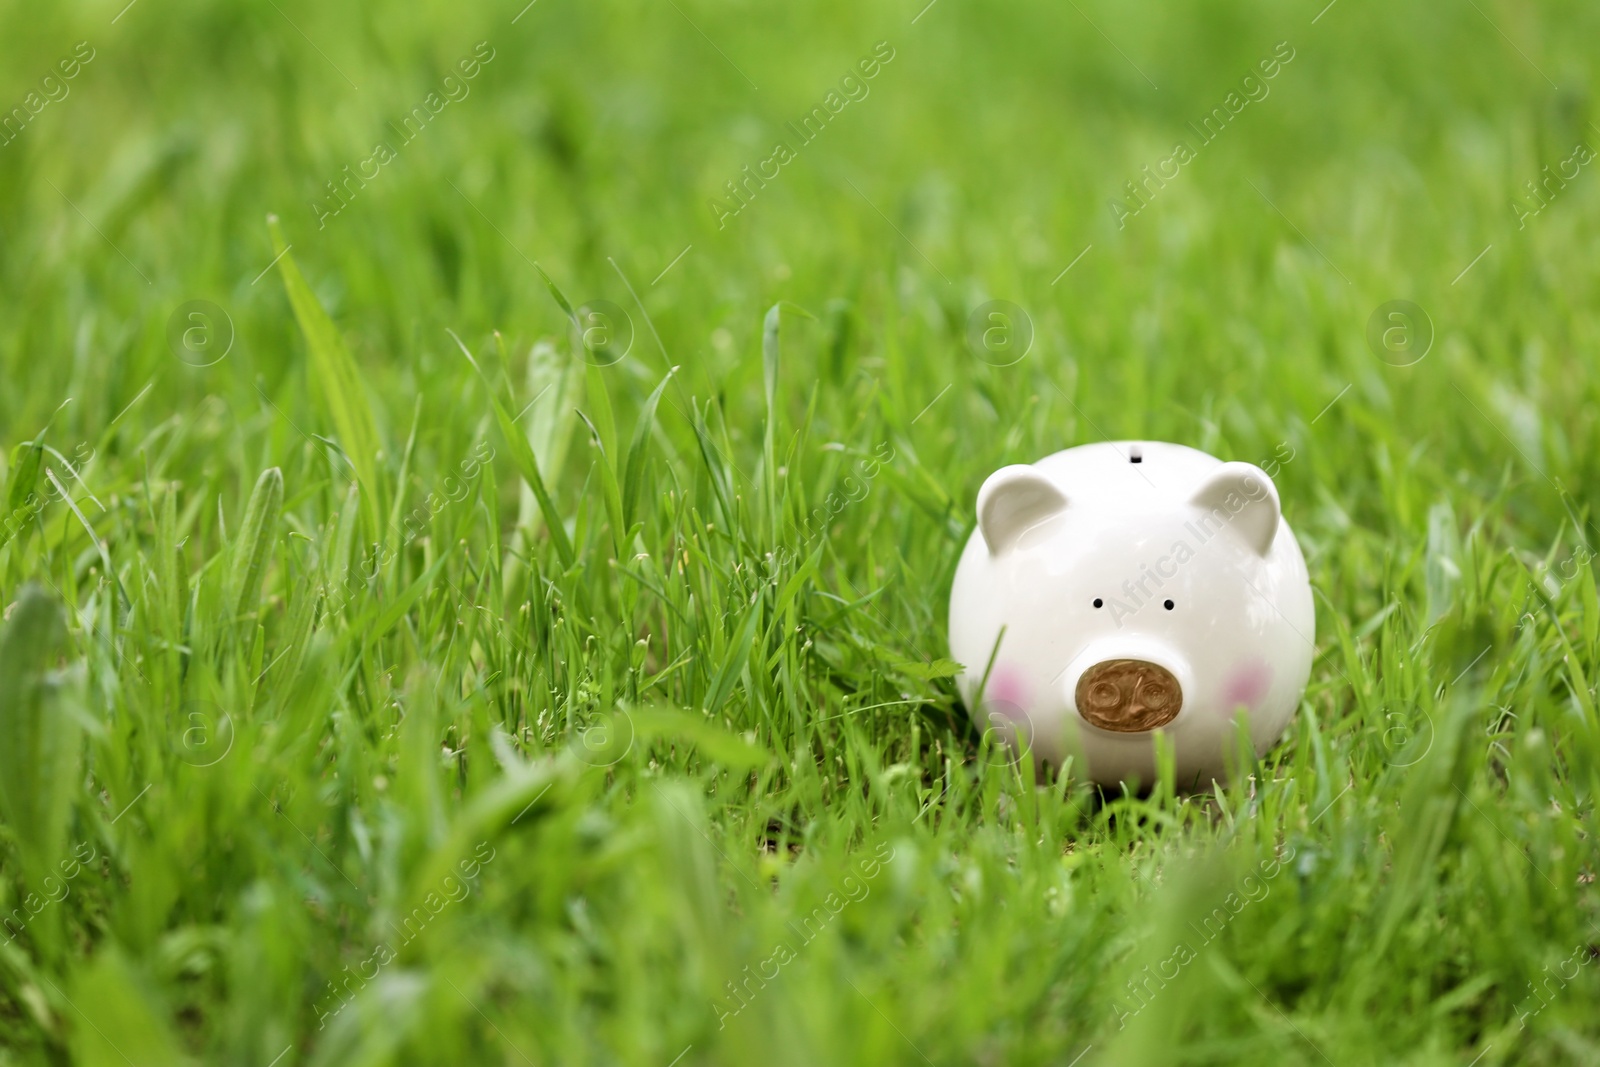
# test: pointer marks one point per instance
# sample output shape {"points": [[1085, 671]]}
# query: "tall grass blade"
{"points": [[527, 465], [39, 729], [338, 380], [633, 476], [254, 544]]}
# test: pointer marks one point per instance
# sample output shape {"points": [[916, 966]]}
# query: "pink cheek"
{"points": [[1007, 688], [1249, 682]]}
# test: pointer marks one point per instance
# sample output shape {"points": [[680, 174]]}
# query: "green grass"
{"points": [[530, 702]]}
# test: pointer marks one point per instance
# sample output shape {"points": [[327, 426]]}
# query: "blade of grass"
{"points": [[38, 731], [254, 543], [714, 743], [527, 465], [608, 487], [338, 380], [738, 653], [633, 478]]}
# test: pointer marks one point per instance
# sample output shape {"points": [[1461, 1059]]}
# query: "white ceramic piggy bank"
{"points": [[1118, 589]]}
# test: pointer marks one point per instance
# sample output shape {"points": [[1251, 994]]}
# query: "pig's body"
{"points": [[1070, 679]]}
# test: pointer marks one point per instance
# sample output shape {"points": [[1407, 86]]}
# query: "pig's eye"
{"points": [[1099, 603], [1169, 605]]}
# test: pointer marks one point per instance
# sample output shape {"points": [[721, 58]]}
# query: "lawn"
{"points": [[482, 484]]}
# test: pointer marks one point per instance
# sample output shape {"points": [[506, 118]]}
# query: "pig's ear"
{"points": [[1013, 499], [1245, 500]]}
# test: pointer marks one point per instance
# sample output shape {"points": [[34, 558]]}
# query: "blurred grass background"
{"points": [[263, 718]]}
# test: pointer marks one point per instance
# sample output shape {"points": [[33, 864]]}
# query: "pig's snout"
{"points": [[1128, 695]]}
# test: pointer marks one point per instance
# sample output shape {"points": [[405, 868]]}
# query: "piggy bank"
{"points": [[1123, 589]]}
